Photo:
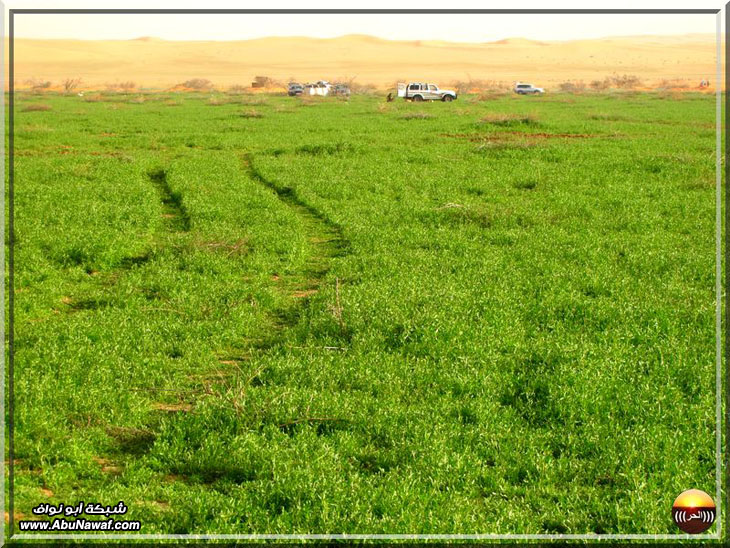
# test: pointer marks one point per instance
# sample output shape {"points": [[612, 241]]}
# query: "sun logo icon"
{"points": [[694, 511]]}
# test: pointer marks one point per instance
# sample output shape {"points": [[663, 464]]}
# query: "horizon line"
{"points": [[148, 38]]}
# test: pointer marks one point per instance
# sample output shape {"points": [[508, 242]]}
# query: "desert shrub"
{"points": [[70, 84], [572, 87], [625, 81], [262, 82], [126, 86], [461, 87], [197, 83], [479, 86], [491, 95], [266, 82], [363, 89], [38, 85]]}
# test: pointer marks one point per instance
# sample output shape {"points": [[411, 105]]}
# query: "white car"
{"points": [[421, 91], [527, 89]]}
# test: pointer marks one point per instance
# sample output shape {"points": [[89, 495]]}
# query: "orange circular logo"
{"points": [[694, 511]]}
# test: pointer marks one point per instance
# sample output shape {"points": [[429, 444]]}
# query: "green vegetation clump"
{"points": [[316, 320], [416, 116], [507, 120]]}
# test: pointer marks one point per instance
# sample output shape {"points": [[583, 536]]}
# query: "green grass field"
{"points": [[259, 314]]}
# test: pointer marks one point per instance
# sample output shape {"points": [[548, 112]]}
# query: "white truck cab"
{"points": [[424, 91]]}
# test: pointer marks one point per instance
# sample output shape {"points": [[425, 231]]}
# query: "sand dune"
{"points": [[161, 64]]}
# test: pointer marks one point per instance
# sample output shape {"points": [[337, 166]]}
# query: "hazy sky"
{"points": [[467, 28]]}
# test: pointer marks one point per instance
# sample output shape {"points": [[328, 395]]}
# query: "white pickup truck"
{"points": [[527, 89], [420, 91]]}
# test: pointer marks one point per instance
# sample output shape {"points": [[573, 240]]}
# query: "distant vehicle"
{"points": [[527, 89], [341, 89], [420, 91], [320, 88], [295, 89]]}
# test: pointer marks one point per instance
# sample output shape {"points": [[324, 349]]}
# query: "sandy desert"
{"points": [[680, 61]]}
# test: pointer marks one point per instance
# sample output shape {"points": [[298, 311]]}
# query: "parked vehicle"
{"points": [[527, 89], [341, 89], [420, 91], [319, 88], [295, 89]]}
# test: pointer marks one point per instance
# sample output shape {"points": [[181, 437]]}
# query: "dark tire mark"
{"points": [[326, 240], [177, 217]]}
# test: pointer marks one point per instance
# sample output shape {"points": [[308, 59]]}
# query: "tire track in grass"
{"points": [[176, 216], [325, 243], [133, 442]]}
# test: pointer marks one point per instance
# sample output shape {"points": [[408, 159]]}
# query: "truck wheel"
{"points": [[448, 98], [418, 98]]}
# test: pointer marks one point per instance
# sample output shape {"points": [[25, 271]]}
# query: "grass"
{"points": [[36, 107], [511, 119], [325, 319], [251, 113]]}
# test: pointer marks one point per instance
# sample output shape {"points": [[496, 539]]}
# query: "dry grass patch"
{"points": [[239, 247], [173, 407], [253, 101], [304, 293], [502, 145], [310, 100], [237, 89], [107, 466], [672, 95], [251, 113], [217, 101], [488, 95], [37, 107]]}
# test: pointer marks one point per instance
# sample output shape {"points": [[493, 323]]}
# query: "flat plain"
{"points": [[263, 314]]}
